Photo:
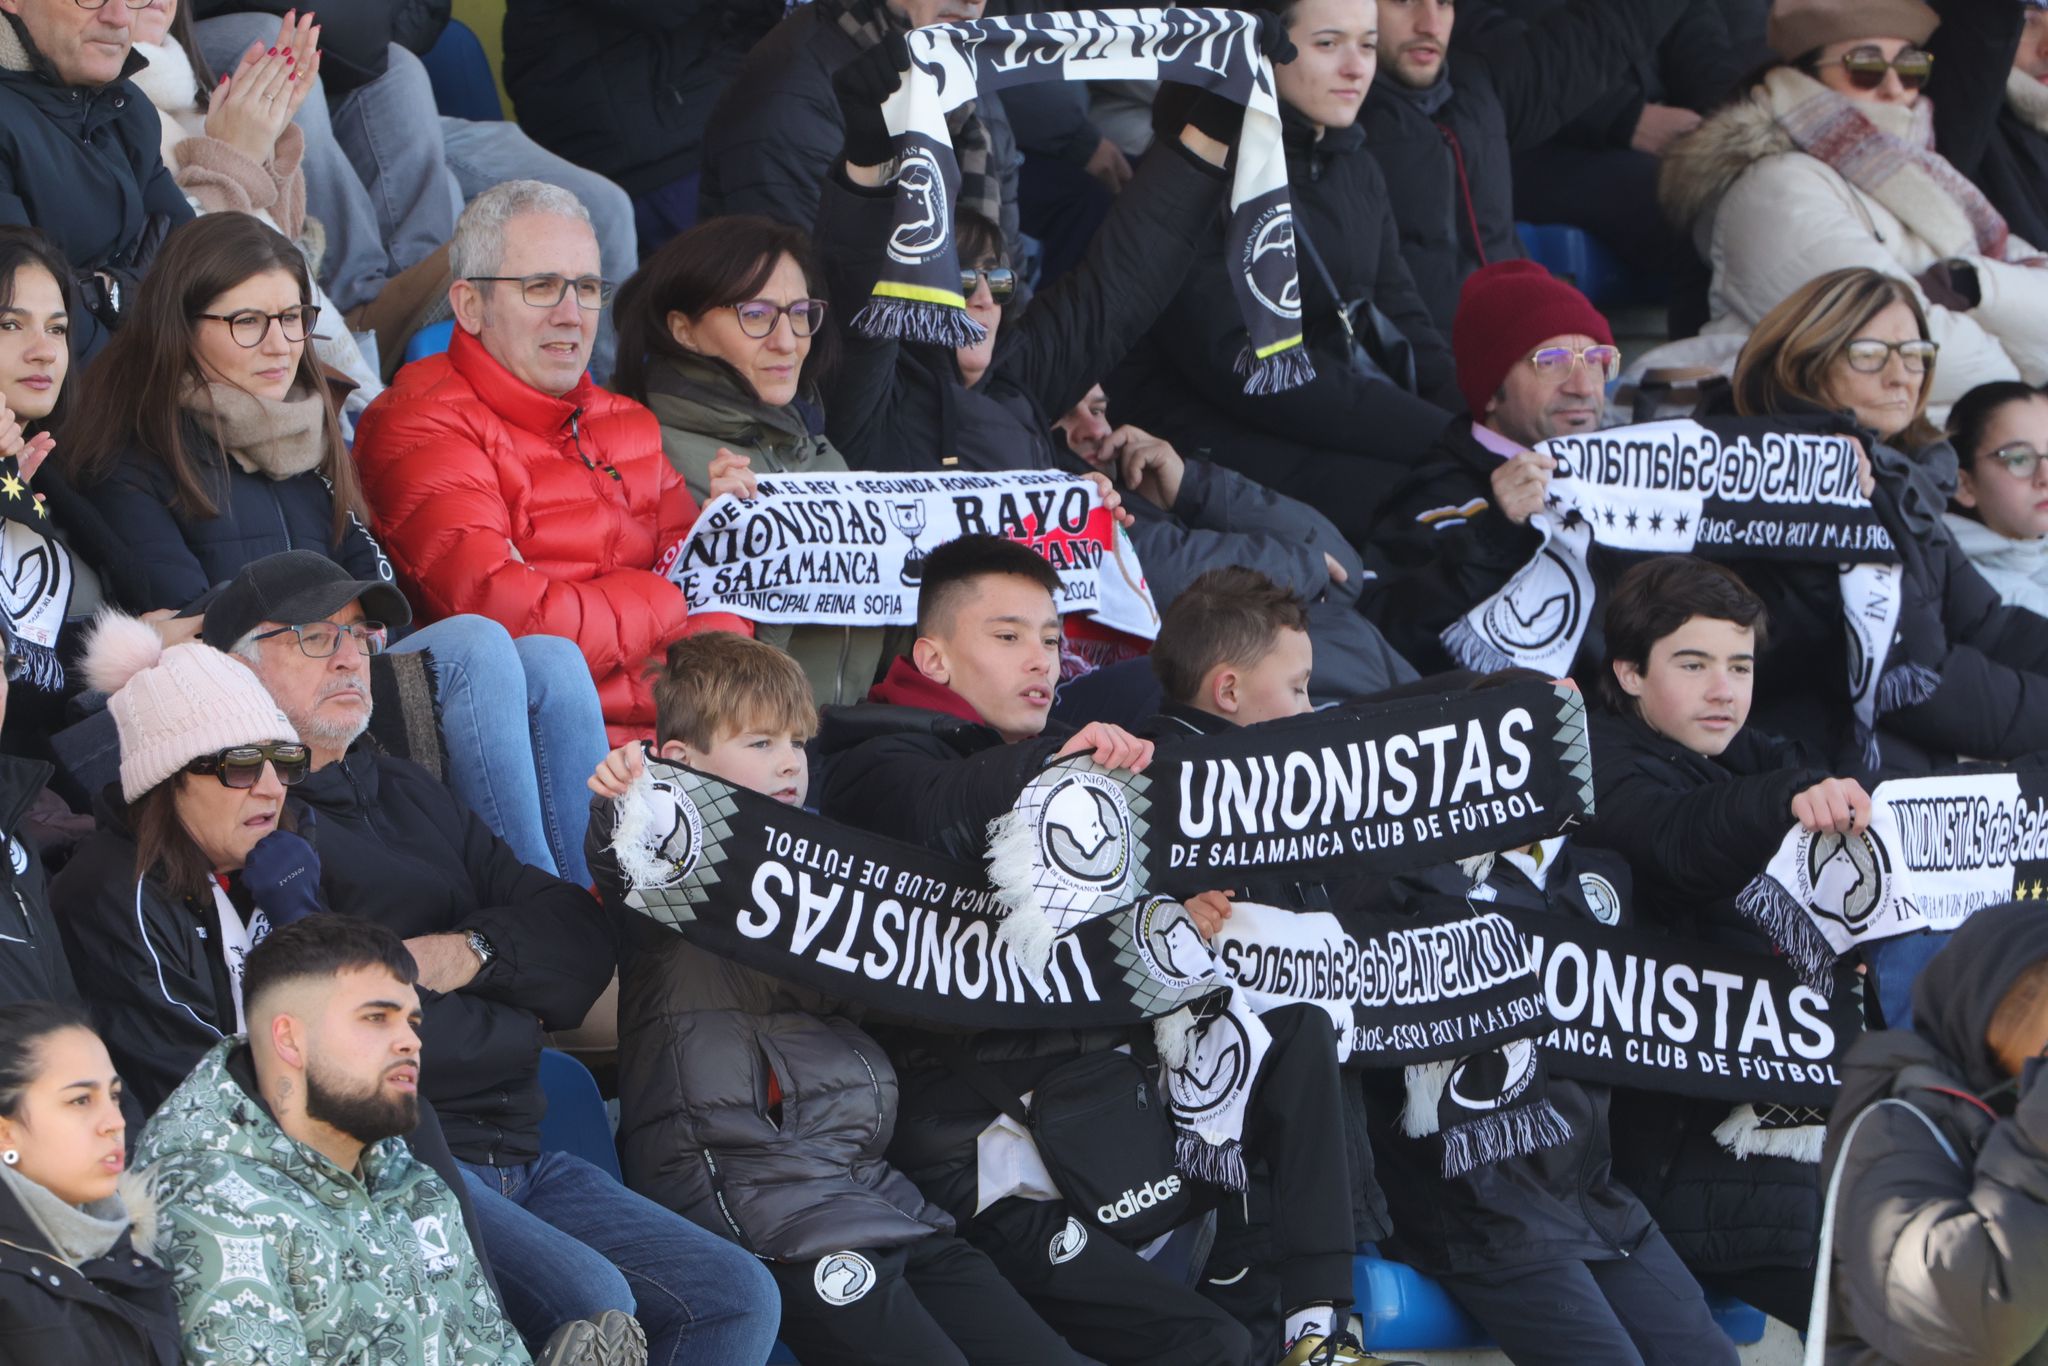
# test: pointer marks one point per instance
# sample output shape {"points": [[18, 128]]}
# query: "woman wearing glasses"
{"points": [[1829, 161], [719, 334], [1999, 512]]}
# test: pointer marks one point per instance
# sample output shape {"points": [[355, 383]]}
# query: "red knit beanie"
{"points": [[1504, 310]]}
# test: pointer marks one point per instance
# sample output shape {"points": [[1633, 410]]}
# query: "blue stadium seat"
{"points": [[461, 73], [1406, 1311], [430, 340], [576, 1121], [1576, 255]]}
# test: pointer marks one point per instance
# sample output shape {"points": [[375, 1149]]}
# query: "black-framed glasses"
{"points": [[1866, 67], [242, 765], [320, 639], [249, 326], [2020, 461], [758, 317], [1002, 283], [1868, 355], [545, 291], [1555, 362]]}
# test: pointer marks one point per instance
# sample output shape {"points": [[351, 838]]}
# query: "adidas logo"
{"points": [[1144, 1197]]}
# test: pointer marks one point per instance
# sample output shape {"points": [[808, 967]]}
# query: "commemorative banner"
{"points": [[1347, 791], [888, 924], [1733, 490], [1937, 851], [849, 549]]}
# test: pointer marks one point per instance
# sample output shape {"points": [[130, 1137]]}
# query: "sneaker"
{"points": [[1338, 1349], [613, 1338]]}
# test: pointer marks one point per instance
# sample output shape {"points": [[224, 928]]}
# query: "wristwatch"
{"points": [[481, 947]]}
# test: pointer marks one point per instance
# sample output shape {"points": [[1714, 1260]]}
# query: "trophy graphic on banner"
{"points": [[909, 519]]}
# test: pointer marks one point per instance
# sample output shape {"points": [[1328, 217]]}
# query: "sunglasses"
{"points": [[1867, 66], [242, 765], [1002, 283]]}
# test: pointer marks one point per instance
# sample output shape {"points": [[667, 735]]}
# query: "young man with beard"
{"points": [[946, 743], [299, 1224]]}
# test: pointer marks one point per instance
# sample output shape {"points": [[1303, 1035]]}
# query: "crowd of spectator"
{"points": [[312, 660]]}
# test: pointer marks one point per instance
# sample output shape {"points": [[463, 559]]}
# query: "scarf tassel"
{"points": [[1745, 1134], [920, 321], [1905, 685], [1472, 650], [1220, 1164], [1772, 909], [1283, 370], [41, 669], [1502, 1135]]}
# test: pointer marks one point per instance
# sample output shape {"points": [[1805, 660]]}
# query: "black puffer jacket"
{"points": [[625, 87], [896, 406], [85, 166], [1990, 121], [1182, 382], [32, 962], [1561, 1203], [150, 556], [112, 1310], [1446, 158]]}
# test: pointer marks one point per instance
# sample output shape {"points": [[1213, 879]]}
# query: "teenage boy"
{"points": [[956, 729], [759, 1108]]}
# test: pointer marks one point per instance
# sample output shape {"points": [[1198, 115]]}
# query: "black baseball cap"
{"points": [[292, 588]]}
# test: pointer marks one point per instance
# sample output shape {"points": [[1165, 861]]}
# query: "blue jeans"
{"points": [[524, 732], [568, 1242], [1894, 963]]}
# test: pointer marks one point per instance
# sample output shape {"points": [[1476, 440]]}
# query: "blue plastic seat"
{"points": [[1576, 255], [576, 1121], [430, 340], [464, 86]]}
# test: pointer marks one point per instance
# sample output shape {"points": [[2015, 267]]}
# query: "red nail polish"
{"points": [[271, 53]]}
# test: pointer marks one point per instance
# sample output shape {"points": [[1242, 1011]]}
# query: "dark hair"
{"points": [[146, 370], [951, 569], [165, 850], [323, 945], [1231, 615], [976, 235], [23, 1026], [20, 247], [1973, 413], [202, 70], [1657, 597], [714, 265]]}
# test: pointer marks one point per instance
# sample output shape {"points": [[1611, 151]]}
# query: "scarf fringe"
{"points": [[1220, 1164], [916, 320], [633, 841], [1503, 1135], [1426, 1083], [1027, 930], [1743, 1133], [1174, 1035], [1905, 685], [41, 669], [1774, 910], [1277, 373], [1472, 651]]}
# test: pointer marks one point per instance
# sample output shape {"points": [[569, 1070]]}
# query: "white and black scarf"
{"points": [[36, 579]]}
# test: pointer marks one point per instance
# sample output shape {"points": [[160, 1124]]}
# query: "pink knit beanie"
{"points": [[172, 706]]}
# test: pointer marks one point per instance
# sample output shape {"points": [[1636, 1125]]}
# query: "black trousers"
{"points": [[936, 1302], [1641, 1310]]}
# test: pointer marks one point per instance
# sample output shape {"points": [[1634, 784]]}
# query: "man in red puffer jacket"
{"points": [[504, 482]]}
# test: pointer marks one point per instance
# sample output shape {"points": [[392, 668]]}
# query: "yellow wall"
{"points": [[487, 17]]}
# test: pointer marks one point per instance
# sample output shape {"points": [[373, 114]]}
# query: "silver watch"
{"points": [[481, 947]]}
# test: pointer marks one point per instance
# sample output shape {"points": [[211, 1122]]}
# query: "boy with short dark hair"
{"points": [[759, 1108]]}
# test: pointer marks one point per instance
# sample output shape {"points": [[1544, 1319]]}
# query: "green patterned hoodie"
{"points": [[282, 1258]]}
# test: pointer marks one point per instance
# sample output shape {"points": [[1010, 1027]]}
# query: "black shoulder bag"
{"points": [[1379, 348]]}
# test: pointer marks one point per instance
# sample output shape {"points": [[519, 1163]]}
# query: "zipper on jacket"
{"points": [[874, 1082], [576, 437], [1464, 189]]}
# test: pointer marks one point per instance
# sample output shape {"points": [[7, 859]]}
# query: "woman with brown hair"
{"points": [[1966, 675]]}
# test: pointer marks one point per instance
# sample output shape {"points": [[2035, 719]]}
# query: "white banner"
{"points": [[849, 549]]}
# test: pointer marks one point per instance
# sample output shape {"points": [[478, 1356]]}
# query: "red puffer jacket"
{"points": [[546, 514]]}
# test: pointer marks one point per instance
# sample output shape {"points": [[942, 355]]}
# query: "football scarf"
{"points": [[917, 296], [1937, 850], [36, 579], [1733, 491]]}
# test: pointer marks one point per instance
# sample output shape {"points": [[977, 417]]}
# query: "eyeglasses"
{"points": [[2020, 461], [545, 291], [242, 765], [759, 316], [249, 326], [1555, 362], [1002, 283], [320, 639], [102, 4], [1866, 67], [1868, 355]]}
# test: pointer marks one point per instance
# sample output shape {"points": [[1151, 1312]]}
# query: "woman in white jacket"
{"points": [[1829, 161], [2000, 512]]}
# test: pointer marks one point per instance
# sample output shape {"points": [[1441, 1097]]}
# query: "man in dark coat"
{"points": [[1990, 96], [1444, 132], [81, 153]]}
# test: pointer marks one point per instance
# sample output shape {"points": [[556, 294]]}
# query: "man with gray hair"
{"points": [[505, 951], [507, 484]]}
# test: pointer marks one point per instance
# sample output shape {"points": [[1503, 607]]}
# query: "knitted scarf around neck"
{"points": [[275, 437], [76, 1234], [1887, 151]]}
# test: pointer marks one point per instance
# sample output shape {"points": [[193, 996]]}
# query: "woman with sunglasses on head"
{"points": [[1999, 512], [1829, 161], [720, 333]]}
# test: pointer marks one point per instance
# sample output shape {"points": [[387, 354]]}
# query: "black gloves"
{"points": [[861, 86], [1178, 106]]}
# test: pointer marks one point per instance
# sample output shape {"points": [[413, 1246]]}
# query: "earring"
{"points": [[10, 1157]]}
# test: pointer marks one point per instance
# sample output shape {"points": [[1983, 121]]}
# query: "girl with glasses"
{"points": [[1832, 159], [1999, 513]]}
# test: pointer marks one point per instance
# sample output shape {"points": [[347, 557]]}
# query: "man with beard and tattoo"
{"points": [[299, 1224]]}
